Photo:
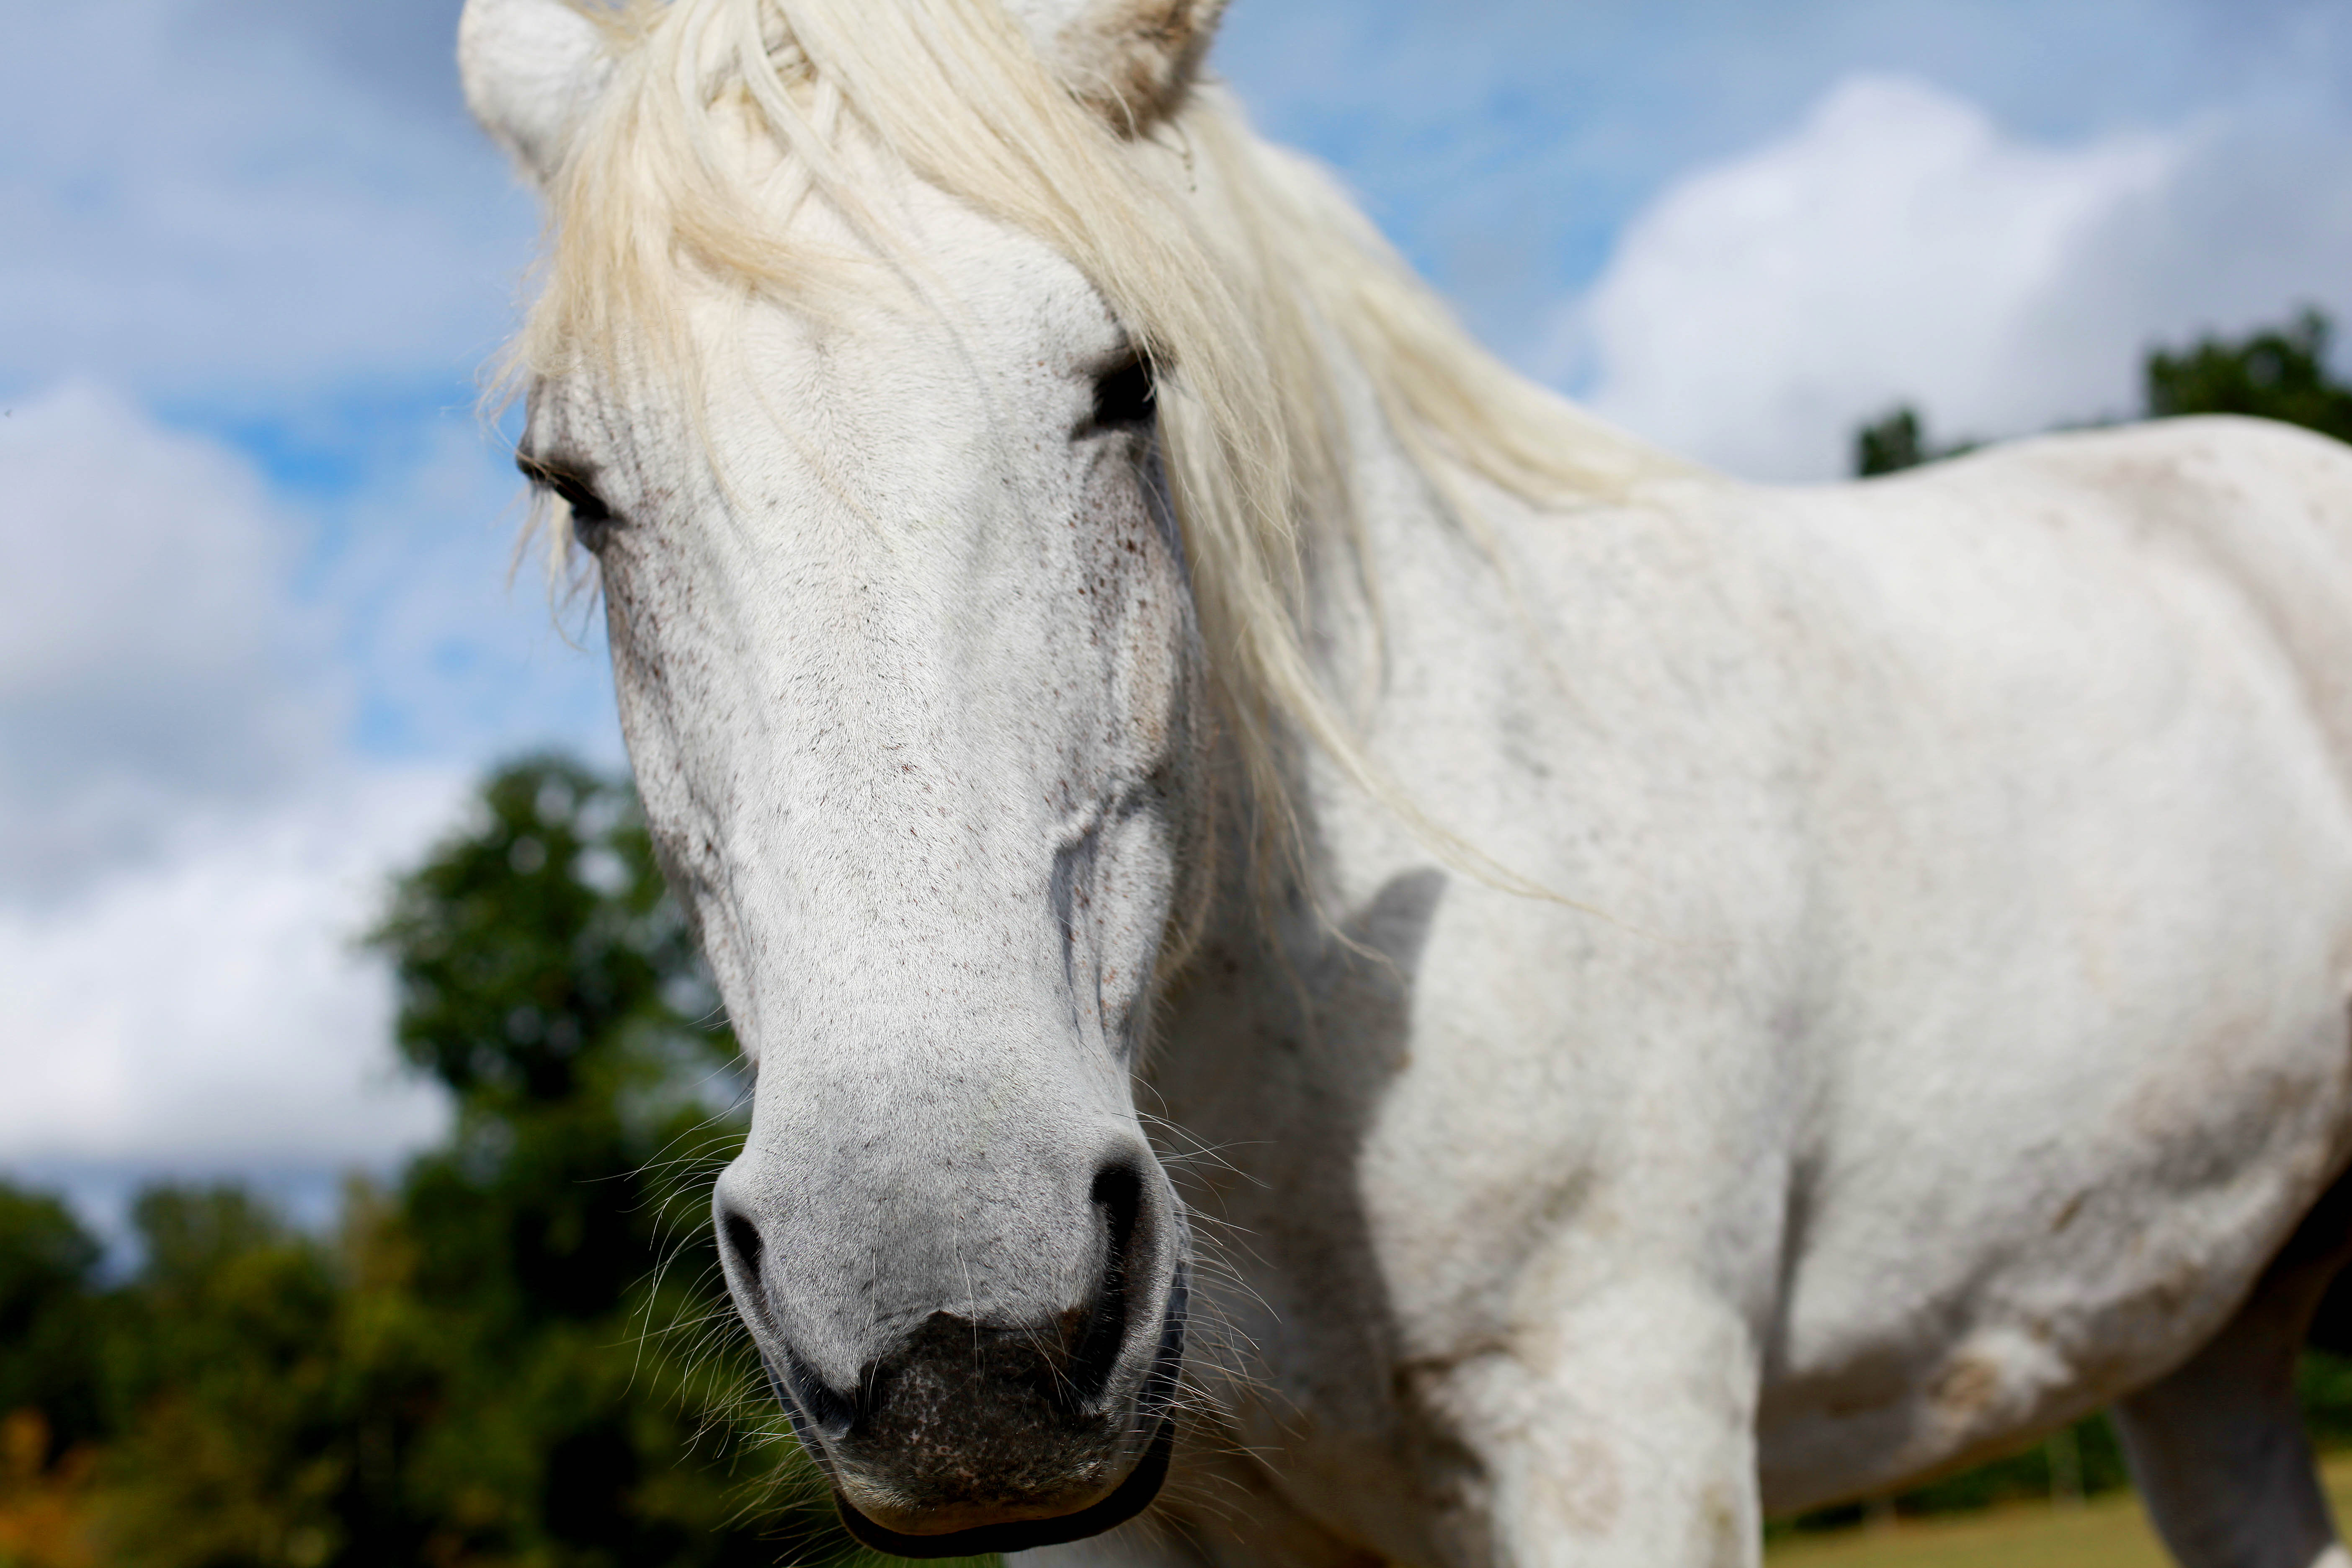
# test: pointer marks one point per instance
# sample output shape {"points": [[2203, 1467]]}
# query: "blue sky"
{"points": [[258, 633]]}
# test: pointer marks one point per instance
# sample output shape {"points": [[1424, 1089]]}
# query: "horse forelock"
{"points": [[1240, 270]]}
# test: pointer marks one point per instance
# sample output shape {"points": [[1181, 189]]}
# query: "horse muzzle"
{"points": [[969, 1440], [987, 1427]]}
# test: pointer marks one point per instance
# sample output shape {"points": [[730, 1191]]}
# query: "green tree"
{"points": [[2279, 373], [226, 1370], [2273, 373], [50, 1335], [1899, 440]]}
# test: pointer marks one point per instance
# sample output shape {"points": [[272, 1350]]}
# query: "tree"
{"points": [[1899, 440], [2280, 373], [49, 1340], [228, 1373], [2273, 373], [52, 1405]]}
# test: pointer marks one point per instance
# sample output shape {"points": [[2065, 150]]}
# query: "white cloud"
{"points": [[210, 1009], [1504, 143], [151, 665], [185, 853], [191, 842], [179, 647], [1898, 247]]}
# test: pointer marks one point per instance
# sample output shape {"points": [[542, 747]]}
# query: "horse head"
{"points": [[908, 665]]}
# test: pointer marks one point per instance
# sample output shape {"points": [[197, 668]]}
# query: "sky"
{"points": [[261, 623]]}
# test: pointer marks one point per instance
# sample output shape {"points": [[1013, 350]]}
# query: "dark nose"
{"points": [[953, 1372], [965, 1437]]}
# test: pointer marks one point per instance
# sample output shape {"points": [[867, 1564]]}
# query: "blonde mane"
{"points": [[1238, 269]]}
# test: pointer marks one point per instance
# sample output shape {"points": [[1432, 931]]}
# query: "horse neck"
{"points": [[1280, 882], [1248, 1052]]}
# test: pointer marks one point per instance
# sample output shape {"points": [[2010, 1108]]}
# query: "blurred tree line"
{"points": [[517, 1353], [2274, 373]]}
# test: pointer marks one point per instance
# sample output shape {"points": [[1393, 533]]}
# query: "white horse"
{"points": [[1666, 1001]]}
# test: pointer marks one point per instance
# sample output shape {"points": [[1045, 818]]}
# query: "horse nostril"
{"points": [[1118, 1203], [741, 1248], [740, 1244], [834, 1413]]}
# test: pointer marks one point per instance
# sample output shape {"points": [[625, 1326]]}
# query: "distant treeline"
{"points": [[2274, 373]]}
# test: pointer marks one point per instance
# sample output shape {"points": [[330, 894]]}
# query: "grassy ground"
{"points": [[2109, 1532]]}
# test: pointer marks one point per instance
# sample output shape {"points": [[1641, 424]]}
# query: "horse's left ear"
{"points": [[530, 68], [1129, 61]]}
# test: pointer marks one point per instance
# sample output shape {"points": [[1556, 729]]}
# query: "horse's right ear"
{"points": [[1129, 61], [531, 67]]}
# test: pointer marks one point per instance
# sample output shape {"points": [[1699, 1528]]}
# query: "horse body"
{"points": [[1735, 998], [1968, 1032], [2095, 941]]}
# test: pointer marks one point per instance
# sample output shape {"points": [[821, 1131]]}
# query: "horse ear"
{"points": [[531, 67], [1130, 60]]}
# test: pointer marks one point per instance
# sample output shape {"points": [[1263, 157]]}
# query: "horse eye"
{"points": [[1127, 397], [587, 505]]}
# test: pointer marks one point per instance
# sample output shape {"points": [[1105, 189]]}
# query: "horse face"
{"points": [[906, 659], [905, 667]]}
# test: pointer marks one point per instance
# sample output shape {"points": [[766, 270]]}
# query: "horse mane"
{"points": [[1239, 268]]}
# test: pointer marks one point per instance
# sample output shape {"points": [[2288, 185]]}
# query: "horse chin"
{"points": [[1130, 1497]]}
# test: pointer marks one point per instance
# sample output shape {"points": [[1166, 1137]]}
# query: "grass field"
{"points": [[2107, 1532]]}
